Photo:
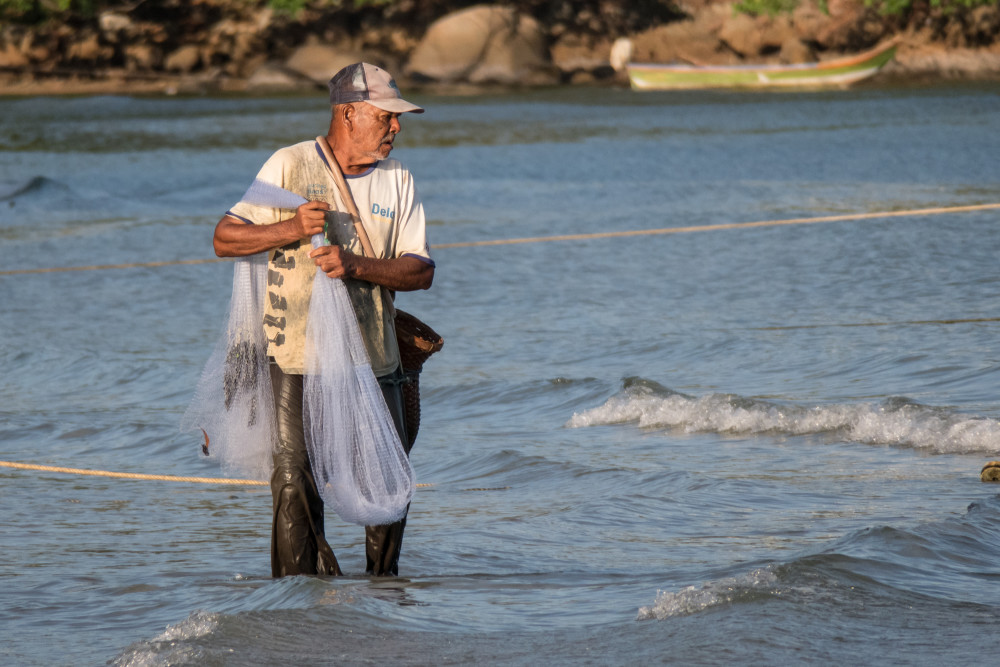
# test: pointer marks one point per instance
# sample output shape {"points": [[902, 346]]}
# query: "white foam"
{"points": [[168, 648], [198, 624], [691, 599], [892, 422]]}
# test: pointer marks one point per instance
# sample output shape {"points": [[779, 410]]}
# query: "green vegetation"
{"points": [[40, 9], [294, 6], [900, 7], [762, 7], [34, 11], [885, 7]]}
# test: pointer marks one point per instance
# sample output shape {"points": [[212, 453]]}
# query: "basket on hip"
{"points": [[417, 342]]}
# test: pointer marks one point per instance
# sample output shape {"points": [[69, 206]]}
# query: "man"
{"points": [[366, 105]]}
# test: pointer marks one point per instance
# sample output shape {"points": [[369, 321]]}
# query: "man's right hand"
{"points": [[237, 238], [310, 218]]}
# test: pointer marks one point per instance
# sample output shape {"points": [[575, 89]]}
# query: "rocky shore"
{"points": [[211, 46]]}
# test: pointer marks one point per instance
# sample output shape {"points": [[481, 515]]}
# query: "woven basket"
{"points": [[417, 342]]}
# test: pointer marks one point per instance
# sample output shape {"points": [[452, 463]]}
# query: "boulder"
{"points": [[934, 61], [11, 56], [808, 20], [88, 49], [840, 31], [483, 44], [775, 32], [752, 37], [740, 33], [114, 24], [142, 57], [184, 59], [683, 41], [795, 51], [576, 53], [34, 51], [517, 57], [983, 24], [319, 62], [709, 20], [454, 44], [236, 44], [276, 77]]}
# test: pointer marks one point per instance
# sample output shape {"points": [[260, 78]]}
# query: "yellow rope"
{"points": [[137, 475], [131, 475], [573, 237], [731, 225], [972, 320]]}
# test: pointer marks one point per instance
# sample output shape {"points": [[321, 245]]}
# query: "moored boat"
{"points": [[839, 72]]}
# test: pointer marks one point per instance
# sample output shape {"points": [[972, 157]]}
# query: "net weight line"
{"points": [[141, 476], [574, 237], [222, 481], [130, 475]]}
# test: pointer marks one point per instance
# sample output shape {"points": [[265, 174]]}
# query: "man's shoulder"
{"points": [[295, 151]]}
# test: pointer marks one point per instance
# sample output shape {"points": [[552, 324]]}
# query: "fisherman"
{"points": [[366, 108]]}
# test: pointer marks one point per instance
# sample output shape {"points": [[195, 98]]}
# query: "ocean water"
{"points": [[740, 445]]}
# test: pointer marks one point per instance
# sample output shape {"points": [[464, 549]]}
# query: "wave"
{"points": [[37, 193], [759, 583], [946, 562], [894, 421], [10, 190], [174, 646]]}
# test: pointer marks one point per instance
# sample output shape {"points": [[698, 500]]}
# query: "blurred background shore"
{"points": [[52, 47]]}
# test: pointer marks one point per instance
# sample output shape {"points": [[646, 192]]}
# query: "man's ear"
{"points": [[350, 113]]}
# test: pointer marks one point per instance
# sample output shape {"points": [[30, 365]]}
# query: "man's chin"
{"points": [[380, 154]]}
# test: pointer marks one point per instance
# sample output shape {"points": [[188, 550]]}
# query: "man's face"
{"points": [[374, 130]]}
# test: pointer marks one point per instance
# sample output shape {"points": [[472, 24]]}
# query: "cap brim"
{"points": [[396, 105]]}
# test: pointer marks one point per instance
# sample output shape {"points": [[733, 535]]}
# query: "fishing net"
{"points": [[359, 464], [233, 405], [358, 461]]}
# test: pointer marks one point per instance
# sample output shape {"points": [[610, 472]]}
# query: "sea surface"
{"points": [[741, 445]]}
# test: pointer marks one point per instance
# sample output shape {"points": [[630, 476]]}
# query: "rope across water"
{"points": [[576, 237], [131, 475], [471, 244], [222, 481]]}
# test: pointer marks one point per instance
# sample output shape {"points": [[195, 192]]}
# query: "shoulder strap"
{"points": [[345, 192]]}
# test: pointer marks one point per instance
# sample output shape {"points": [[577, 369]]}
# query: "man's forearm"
{"points": [[403, 274], [234, 238]]}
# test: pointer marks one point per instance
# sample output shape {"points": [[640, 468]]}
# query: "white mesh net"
{"points": [[361, 469], [358, 461], [233, 404]]}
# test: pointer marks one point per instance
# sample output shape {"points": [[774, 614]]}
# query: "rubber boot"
{"points": [[298, 543], [383, 543]]}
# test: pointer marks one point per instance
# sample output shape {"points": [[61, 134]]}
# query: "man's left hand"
{"points": [[334, 261]]}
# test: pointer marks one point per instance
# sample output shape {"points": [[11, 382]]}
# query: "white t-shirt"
{"points": [[393, 217]]}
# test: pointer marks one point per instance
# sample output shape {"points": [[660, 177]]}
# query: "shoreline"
{"points": [[947, 70], [245, 49]]}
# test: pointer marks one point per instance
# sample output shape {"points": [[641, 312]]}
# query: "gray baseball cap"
{"points": [[362, 82]]}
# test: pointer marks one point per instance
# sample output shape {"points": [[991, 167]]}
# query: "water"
{"points": [[758, 446]]}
